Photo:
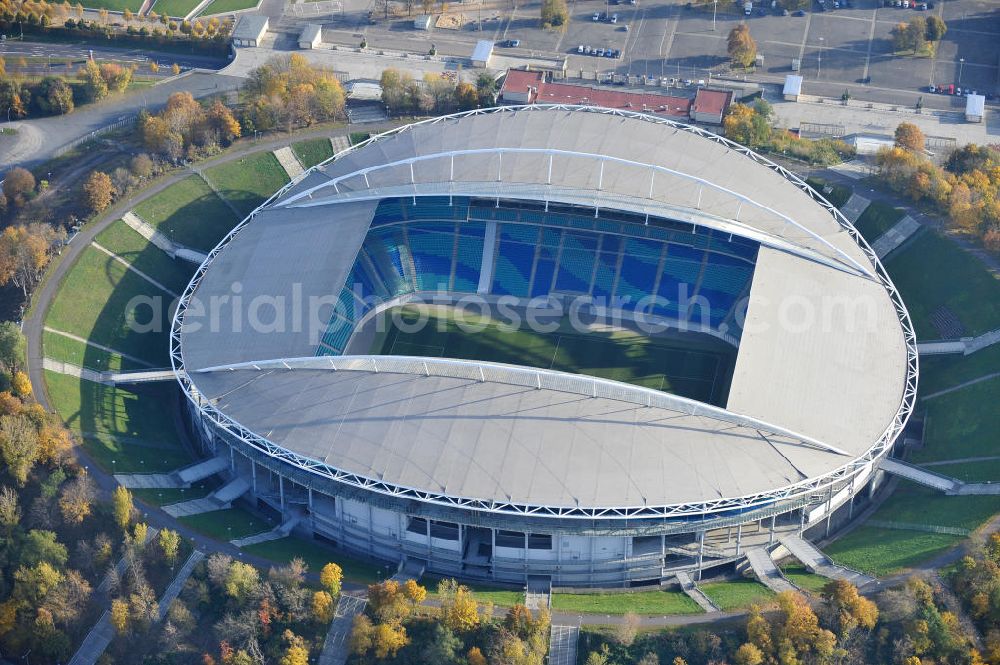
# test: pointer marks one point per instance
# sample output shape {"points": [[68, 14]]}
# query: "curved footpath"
{"points": [[33, 327]]}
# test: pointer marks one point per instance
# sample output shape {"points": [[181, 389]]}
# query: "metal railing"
{"points": [[880, 447]]}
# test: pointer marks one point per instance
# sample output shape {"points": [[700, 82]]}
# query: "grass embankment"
{"points": [[190, 213], [313, 151], [248, 181], [640, 602], [877, 219], [737, 594]]}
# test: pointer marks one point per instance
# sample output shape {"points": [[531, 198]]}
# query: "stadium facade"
{"points": [[499, 472]]}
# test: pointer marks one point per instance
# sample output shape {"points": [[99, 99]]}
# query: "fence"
{"points": [[126, 121]]}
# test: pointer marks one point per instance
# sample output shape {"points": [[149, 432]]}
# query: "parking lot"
{"points": [[837, 49]]}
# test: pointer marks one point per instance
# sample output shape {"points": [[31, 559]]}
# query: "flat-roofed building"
{"points": [[249, 30]]}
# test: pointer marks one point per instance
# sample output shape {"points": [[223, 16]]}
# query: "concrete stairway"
{"points": [[919, 475], [817, 562], [201, 470], [335, 647], [148, 480], [694, 593], [220, 499], [277, 533], [766, 571], [562, 644]]}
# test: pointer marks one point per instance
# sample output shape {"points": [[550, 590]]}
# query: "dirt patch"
{"points": [[450, 21]]}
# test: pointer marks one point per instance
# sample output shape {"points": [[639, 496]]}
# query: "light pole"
{"points": [[819, 58], [715, 7], [961, 66]]}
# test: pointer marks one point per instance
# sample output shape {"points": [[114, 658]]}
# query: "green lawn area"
{"points": [[837, 197], [737, 594], [60, 347], [227, 524], [223, 6], [175, 8], [313, 151], [700, 372], [877, 219], [482, 592], [190, 213], [916, 504], [946, 371], [358, 137], [975, 472], [93, 301], [167, 496], [124, 430], [881, 552], [317, 555], [114, 5], [640, 602], [802, 578], [146, 257], [248, 181], [932, 271], [964, 423]]}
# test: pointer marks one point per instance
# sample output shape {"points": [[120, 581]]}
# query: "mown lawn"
{"points": [[482, 592], [95, 302], [316, 556], [146, 257], [802, 578], [60, 347], [837, 197], [223, 6], [227, 524], [931, 271], [124, 430], [114, 5], [175, 8], [947, 371], [248, 181], [641, 602], [877, 219], [916, 504], [881, 552], [313, 151], [737, 594], [972, 472], [964, 423], [190, 213]]}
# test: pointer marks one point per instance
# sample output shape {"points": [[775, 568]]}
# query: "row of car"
{"points": [[583, 49], [952, 89], [908, 4]]}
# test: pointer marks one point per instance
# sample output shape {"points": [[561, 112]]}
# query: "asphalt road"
{"points": [[38, 140], [11, 49]]}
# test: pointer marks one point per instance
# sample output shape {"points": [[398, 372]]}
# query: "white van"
{"points": [[748, 7]]}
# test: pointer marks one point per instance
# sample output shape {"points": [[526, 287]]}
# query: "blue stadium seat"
{"points": [[432, 248], [515, 257], [576, 262], [469, 256], [638, 272]]}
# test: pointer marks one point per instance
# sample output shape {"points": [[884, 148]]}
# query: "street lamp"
{"points": [[715, 7], [819, 58], [961, 66]]}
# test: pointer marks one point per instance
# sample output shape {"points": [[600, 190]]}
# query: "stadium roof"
{"points": [[824, 356]]}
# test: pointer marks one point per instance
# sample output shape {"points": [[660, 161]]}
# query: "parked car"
{"points": [[614, 18], [579, 49], [597, 16], [799, 12], [509, 43]]}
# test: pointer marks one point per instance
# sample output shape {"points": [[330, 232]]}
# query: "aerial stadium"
{"points": [[587, 346]]}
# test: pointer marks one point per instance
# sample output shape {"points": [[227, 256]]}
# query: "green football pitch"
{"points": [[693, 366]]}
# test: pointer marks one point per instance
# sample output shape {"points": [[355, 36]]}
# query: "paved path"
{"points": [[816, 562], [106, 349], [289, 162], [855, 207], [174, 590], [939, 348], [766, 571], [918, 475], [892, 239], [966, 384], [693, 592], [96, 641], [562, 644], [963, 460], [161, 240], [68, 369], [130, 268], [335, 647]]}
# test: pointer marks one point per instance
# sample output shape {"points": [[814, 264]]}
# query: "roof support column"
{"points": [[701, 554], [739, 537], [281, 493], [770, 535]]}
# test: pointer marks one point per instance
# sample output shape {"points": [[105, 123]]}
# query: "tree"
{"points": [[936, 28], [322, 607], [119, 615], [910, 137], [388, 639], [98, 191], [24, 253], [12, 347], [53, 96], [18, 446], [460, 612], [555, 14], [141, 166], [466, 96], [486, 89], [742, 48], [21, 384], [10, 511], [297, 653], [77, 498], [175, 69], [40, 545], [909, 36], [122, 507], [413, 592], [748, 654], [115, 76], [362, 635], [242, 580], [331, 577], [95, 88], [846, 609], [443, 646], [170, 543], [649, 659], [18, 184], [475, 657], [627, 630], [139, 534], [154, 67], [221, 120]]}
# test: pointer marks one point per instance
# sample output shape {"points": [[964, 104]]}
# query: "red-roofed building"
{"points": [[521, 87], [710, 105]]}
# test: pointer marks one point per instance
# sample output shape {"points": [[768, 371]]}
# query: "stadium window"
{"points": [[417, 525], [444, 530], [539, 541], [513, 539]]}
